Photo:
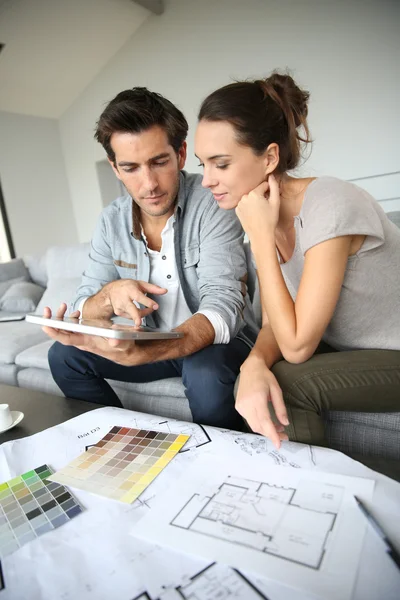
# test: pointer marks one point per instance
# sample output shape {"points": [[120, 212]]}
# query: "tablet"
{"points": [[104, 328]]}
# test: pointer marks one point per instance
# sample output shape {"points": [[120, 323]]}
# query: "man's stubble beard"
{"points": [[165, 209]]}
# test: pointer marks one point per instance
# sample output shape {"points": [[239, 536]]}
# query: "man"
{"points": [[168, 249]]}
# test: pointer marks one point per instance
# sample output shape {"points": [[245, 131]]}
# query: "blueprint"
{"points": [[291, 524], [164, 571], [101, 561], [214, 582]]}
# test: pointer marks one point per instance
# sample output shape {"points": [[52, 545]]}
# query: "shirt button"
{"points": [[164, 257], [168, 276], [145, 253]]}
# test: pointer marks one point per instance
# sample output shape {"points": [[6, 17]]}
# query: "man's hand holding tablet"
{"points": [[115, 342], [114, 349]]}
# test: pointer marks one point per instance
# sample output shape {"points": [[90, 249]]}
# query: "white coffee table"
{"points": [[94, 556]]}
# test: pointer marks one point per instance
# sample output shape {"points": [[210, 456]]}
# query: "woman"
{"points": [[328, 263]]}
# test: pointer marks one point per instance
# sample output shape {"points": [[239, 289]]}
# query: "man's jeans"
{"points": [[208, 377]]}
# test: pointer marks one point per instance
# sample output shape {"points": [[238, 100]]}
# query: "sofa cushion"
{"points": [[5, 285], [383, 420], [23, 297], [67, 261], [13, 269], [37, 267], [394, 216], [17, 336], [35, 356], [59, 289], [8, 376], [155, 398], [364, 434], [65, 265], [39, 380], [172, 387]]}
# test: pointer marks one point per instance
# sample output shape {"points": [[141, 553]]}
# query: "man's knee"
{"points": [[61, 356], [210, 368], [209, 383], [57, 354]]}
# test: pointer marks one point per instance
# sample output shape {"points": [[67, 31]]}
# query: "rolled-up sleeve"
{"points": [[222, 269], [100, 268], [221, 329]]}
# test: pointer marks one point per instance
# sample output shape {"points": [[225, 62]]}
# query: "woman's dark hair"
{"points": [[262, 112], [136, 110]]}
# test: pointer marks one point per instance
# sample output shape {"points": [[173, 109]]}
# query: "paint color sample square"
{"points": [[122, 464], [31, 505]]}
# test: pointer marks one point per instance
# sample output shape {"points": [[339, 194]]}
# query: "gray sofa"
{"points": [[24, 348]]}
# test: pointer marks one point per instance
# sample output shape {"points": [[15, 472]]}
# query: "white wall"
{"points": [[34, 183], [345, 52], [53, 48]]}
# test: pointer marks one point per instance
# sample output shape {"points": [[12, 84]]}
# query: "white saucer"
{"points": [[17, 417]]}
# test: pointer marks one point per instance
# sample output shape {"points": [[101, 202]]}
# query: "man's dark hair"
{"points": [[136, 110]]}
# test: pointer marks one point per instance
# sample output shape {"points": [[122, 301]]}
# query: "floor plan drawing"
{"points": [[290, 523], [218, 582], [215, 582]]}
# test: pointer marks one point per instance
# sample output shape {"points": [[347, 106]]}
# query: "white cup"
{"points": [[5, 416]]}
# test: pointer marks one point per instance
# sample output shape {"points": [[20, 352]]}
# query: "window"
{"points": [[6, 243]]}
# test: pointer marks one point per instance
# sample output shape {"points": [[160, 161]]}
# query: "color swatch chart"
{"points": [[122, 464], [30, 505]]}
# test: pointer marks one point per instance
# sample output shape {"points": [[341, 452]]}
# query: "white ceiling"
{"points": [[54, 48]]}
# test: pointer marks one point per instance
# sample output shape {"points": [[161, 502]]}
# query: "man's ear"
{"points": [[114, 167], [182, 155], [271, 157]]}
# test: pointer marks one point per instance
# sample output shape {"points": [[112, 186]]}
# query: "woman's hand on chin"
{"points": [[257, 387], [258, 211]]}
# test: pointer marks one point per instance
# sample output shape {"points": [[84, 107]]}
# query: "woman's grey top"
{"points": [[367, 314]]}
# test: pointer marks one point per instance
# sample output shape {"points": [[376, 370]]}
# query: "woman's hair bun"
{"points": [[265, 111], [283, 89]]}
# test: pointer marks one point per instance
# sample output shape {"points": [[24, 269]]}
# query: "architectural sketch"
{"points": [[261, 446], [289, 455], [215, 582], [290, 523]]}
